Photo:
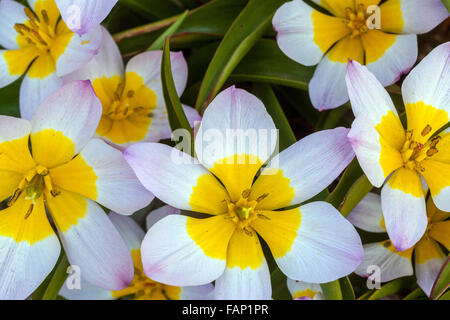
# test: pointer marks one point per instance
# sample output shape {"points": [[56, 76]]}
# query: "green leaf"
{"points": [[332, 290], [446, 4], [347, 289], [416, 295], [267, 96], [350, 176], [282, 70], [175, 112], [445, 296], [9, 102], [442, 282], [50, 288], [392, 287], [279, 285], [248, 28], [152, 8], [159, 43], [355, 194]]}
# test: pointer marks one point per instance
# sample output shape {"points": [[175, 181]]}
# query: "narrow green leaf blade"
{"points": [[245, 31], [332, 290], [442, 282], [446, 4], [159, 42], [175, 112], [282, 71]]}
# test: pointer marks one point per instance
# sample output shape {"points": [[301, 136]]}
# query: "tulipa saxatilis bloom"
{"points": [[407, 161], [133, 103], [381, 36], [428, 255], [40, 46], [312, 242], [52, 163]]}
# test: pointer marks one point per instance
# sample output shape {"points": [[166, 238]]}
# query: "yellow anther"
{"points": [[431, 152], [261, 198], [30, 210], [426, 130], [130, 93], [45, 16], [259, 215], [246, 193], [29, 14]]}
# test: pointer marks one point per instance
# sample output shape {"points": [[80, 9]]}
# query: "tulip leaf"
{"points": [[446, 4], [393, 287], [282, 71], [442, 282], [245, 31], [347, 289], [357, 192], [280, 290], [159, 42], [9, 102], [152, 8], [332, 290], [175, 112], [52, 285]]}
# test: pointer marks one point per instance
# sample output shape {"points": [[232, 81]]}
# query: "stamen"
{"points": [[426, 131], [248, 232], [130, 94], [246, 193], [259, 215], [261, 198], [14, 197], [30, 210], [431, 152], [45, 16], [29, 14]]}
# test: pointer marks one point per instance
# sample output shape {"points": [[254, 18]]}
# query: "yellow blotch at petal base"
{"points": [[244, 250], [406, 253], [427, 249], [338, 7], [440, 231], [274, 188], [328, 30], [15, 156], [66, 209], [376, 43], [279, 230], [437, 175], [347, 48], [420, 116], [434, 213], [237, 173], [392, 137], [18, 223], [42, 67], [51, 148], [209, 196], [19, 60], [76, 176], [391, 16], [212, 235], [408, 181], [305, 293]]}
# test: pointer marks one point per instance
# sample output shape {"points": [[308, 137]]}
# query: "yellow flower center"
{"points": [[243, 212], [37, 32], [357, 20], [34, 183], [413, 152], [123, 105], [144, 288]]}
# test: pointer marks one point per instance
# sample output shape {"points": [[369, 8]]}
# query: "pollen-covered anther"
{"points": [[357, 20], [426, 130]]}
